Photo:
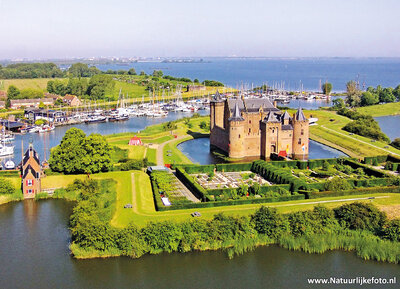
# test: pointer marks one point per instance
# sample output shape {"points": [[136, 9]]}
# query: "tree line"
{"points": [[355, 226], [356, 97]]}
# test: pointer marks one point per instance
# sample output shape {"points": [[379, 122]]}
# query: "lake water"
{"points": [[34, 254], [390, 125], [53, 138], [238, 72], [198, 151]]}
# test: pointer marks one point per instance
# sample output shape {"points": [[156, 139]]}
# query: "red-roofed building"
{"points": [[135, 141]]}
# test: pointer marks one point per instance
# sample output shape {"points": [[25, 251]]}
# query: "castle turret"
{"points": [[236, 134], [270, 137], [31, 172], [217, 111], [300, 135]]}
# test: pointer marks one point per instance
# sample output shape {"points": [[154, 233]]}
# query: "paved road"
{"points": [[160, 150], [185, 191]]}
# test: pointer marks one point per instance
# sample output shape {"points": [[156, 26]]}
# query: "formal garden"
{"points": [[275, 181]]}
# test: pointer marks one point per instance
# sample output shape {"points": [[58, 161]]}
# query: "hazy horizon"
{"points": [[45, 29]]}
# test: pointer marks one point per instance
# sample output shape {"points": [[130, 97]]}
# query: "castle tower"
{"points": [[217, 111], [270, 135], [31, 173], [236, 134], [300, 135]]}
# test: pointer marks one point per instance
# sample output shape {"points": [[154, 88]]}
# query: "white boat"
{"points": [[6, 150], [9, 165], [46, 128]]}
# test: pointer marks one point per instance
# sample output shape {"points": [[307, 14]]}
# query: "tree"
{"points": [[77, 86], [158, 73], [6, 187], [368, 98], [327, 88], [13, 92], [396, 143], [27, 93], [132, 71], [338, 103], [142, 73], [100, 84], [353, 93], [83, 70], [268, 221], [386, 95], [80, 154], [396, 92], [360, 216], [391, 230], [41, 105]]}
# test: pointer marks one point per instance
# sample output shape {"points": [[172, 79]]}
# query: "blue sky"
{"points": [[84, 28]]}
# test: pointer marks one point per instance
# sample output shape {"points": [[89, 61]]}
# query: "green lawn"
{"points": [[381, 109], [329, 131], [151, 155], [172, 155]]}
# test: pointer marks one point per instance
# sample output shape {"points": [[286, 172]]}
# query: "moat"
{"points": [[34, 254], [198, 151]]}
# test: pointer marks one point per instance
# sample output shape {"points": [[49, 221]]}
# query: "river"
{"points": [[34, 254]]}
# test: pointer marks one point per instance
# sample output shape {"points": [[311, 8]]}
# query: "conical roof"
{"points": [[300, 115], [217, 95], [286, 116], [236, 116], [271, 117]]}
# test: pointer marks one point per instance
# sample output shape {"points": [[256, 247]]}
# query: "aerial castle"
{"points": [[254, 127]]}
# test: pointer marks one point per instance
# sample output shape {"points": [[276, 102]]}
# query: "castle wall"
{"points": [[219, 138]]}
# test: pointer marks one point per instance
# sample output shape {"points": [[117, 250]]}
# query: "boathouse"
{"points": [[31, 173]]}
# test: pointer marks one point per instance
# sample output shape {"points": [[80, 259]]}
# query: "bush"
{"points": [[6, 187], [391, 230], [269, 222], [337, 184], [361, 216]]}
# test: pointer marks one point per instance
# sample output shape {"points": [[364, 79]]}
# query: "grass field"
{"points": [[172, 155], [151, 155], [381, 109], [35, 83], [329, 131]]}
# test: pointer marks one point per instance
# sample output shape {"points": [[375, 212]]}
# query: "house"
{"points": [[72, 100], [195, 88], [31, 172], [135, 141], [34, 102], [255, 127], [2, 104], [51, 116]]}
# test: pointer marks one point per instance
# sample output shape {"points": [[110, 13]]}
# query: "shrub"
{"points": [[360, 216], [6, 187], [337, 184], [269, 222], [391, 230]]}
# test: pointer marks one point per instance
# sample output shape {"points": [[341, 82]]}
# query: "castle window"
{"points": [[299, 141], [249, 121], [29, 182], [239, 135], [302, 131], [37, 175], [29, 191], [249, 130], [273, 131]]}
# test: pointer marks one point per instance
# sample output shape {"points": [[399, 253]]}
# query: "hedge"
{"points": [[234, 167], [368, 170], [360, 191], [378, 159], [263, 189], [189, 182], [156, 196], [234, 202], [13, 173]]}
